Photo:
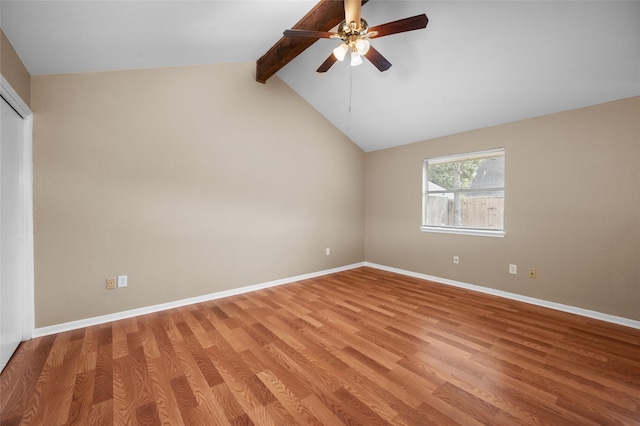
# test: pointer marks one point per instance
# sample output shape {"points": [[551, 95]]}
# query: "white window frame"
{"points": [[425, 193]]}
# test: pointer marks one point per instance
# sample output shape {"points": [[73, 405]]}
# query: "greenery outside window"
{"points": [[464, 194]]}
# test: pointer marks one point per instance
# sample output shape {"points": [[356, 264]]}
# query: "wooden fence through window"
{"points": [[477, 212]]}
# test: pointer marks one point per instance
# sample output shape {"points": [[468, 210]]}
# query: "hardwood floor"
{"points": [[362, 347]]}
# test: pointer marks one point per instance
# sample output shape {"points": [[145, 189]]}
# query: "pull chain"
{"points": [[350, 93]]}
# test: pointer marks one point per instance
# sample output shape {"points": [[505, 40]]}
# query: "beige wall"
{"points": [[572, 210], [12, 68], [197, 180], [189, 180]]}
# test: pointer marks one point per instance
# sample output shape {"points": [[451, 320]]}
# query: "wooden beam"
{"points": [[323, 17]]}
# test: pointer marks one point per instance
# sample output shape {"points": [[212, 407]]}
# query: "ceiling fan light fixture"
{"points": [[355, 37], [341, 51], [355, 59], [362, 46]]}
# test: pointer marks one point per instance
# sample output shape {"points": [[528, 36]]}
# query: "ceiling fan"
{"points": [[355, 34]]}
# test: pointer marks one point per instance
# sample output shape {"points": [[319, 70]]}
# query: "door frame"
{"points": [[26, 247]]}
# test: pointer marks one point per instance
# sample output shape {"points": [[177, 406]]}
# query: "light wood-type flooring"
{"points": [[361, 347]]}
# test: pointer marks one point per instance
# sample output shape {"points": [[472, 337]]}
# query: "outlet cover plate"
{"points": [[122, 281]]}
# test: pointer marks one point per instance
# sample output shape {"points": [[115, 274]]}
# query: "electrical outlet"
{"points": [[513, 269], [532, 272], [327, 251], [456, 260], [111, 283], [122, 281]]}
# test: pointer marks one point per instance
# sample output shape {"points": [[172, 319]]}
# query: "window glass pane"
{"points": [[464, 210], [489, 174], [454, 175], [465, 191]]}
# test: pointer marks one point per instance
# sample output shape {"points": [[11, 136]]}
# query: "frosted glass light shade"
{"points": [[362, 46], [355, 59], [341, 51]]}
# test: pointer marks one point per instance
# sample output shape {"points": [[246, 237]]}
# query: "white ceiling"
{"points": [[477, 64]]}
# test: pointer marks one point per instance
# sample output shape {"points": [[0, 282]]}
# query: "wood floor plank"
{"points": [[262, 361], [320, 411], [103, 388], [299, 366], [61, 397], [147, 414], [232, 410], [20, 362], [101, 414], [166, 404], [207, 405], [288, 399], [260, 416], [23, 401], [123, 391], [82, 398], [359, 347], [235, 380]]}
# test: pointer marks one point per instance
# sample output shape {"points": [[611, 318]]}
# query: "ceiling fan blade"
{"points": [[327, 64], [308, 33], [377, 59], [401, 25], [352, 10], [323, 16]]}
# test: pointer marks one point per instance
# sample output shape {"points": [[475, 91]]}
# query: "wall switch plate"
{"points": [[327, 251], [513, 269], [122, 281], [111, 283]]}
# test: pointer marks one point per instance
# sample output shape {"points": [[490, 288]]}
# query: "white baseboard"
{"points": [[73, 325], [513, 296]]}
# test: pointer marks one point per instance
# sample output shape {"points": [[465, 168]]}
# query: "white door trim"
{"points": [[27, 270]]}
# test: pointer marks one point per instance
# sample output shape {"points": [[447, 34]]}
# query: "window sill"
{"points": [[458, 231]]}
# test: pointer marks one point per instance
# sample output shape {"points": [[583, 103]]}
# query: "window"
{"points": [[464, 194]]}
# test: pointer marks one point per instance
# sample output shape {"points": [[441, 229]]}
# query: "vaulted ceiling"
{"points": [[477, 64]]}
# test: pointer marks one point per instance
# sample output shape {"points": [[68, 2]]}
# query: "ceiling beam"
{"points": [[323, 17]]}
